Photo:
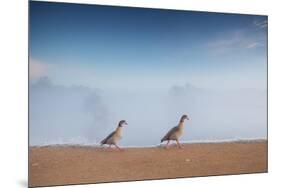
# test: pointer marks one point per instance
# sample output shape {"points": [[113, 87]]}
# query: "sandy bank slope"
{"points": [[74, 165]]}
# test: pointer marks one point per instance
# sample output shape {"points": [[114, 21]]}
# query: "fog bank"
{"points": [[79, 115]]}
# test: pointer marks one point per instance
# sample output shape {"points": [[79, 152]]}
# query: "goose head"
{"points": [[122, 122], [184, 117]]}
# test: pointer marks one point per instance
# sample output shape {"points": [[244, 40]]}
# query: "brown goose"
{"points": [[115, 136], [175, 132]]}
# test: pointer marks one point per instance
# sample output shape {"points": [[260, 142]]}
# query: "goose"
{"points": [[175, 132], [115, 136]]}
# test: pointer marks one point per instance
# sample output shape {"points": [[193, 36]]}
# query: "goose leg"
{"points": [[178, 144], [167, 145], [118, 147]]}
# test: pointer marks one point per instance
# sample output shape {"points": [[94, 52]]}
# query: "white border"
{"points": [[13, 95]]}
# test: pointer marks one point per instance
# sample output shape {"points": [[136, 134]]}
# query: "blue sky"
{"points": [[91, 66], [98, 45]]}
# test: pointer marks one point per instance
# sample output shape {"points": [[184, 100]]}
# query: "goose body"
{"points": [[176, 132], [115, 136]]}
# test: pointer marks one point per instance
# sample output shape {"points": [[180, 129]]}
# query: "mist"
{"points": [[59, 114], [83, 115]]}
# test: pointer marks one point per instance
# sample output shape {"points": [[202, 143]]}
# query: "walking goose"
{"points": [[175, 132], [115, 136]]}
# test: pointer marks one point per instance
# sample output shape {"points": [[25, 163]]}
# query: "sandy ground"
{"points": [[59, 165]]}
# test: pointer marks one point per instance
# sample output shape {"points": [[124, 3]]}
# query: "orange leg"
{"points": [[167, 145], [120, 149], [178, 144], [109, 147]]}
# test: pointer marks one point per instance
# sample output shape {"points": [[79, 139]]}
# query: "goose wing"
{"points": [[171, 132], [104, 141]]}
